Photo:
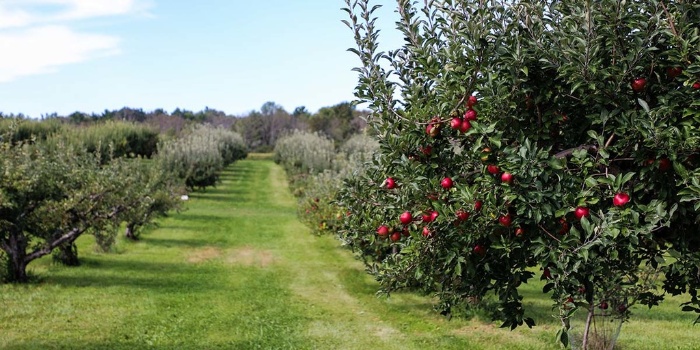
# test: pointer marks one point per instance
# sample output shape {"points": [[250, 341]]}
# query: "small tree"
{"points": [[50, 197], [558, 134]]}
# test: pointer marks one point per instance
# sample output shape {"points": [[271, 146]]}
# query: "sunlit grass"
{"points": [[237, 270]]}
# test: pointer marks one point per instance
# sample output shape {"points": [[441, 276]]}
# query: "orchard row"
{"points": [[61, 184]]}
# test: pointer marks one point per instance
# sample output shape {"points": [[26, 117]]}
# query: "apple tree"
{"points": [[530, 139], [50, 196]]}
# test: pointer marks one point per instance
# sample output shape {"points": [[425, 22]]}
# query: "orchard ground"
{"points": [[238, 270]]}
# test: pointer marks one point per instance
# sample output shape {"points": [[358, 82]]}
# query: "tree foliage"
{"points": [[199, 155], [578, 102]]}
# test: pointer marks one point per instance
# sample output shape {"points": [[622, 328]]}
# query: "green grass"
{"points": [[237, 270]]}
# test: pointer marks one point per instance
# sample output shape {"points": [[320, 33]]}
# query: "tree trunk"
{"points": [[130, 232], [587, 327], [16, 249], [67, 254]]}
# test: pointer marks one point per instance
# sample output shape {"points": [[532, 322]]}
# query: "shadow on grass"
{"points": [[175, 243], [156, 277]]}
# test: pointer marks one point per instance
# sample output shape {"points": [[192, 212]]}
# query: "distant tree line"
{"points": [[260, 128]]}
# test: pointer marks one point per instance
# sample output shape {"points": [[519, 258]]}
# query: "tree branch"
{"points": [[568, 152]]}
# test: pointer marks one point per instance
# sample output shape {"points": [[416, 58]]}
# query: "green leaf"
{"points": [[644, 105]]}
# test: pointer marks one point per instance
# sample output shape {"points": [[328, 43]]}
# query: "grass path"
{"points": [[237, 270]]}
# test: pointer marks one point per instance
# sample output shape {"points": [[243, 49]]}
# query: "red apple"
{"points": [[621, 308], [462, 215], [664, 164], [390, 183], [434, 215], [674, 72], [471, 101], [446, 183], [466, 125], [456, 123], [604, 305], [696, 85], [427, 232], [395, 237], [427, 150], [478, 205], [638, 84], [493, 169], [519, 232], [505, 220], [580, 212], [426, 217], [470, 115], [383, 231], [507, 177], [479, 250], [621, 199], [433, 129], [405, 232], [547, 274], [406, 218], [564, 226]]}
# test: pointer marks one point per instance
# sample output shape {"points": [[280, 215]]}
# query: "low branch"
{"points": [[69, 236]]}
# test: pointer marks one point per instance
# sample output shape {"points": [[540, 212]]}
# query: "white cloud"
{"points": [[36, 36], [43, 49]]}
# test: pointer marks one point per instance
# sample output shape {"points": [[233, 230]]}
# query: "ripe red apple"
{"points": [[456, 123], [604, 305], [390, 183], [466, 125], [505, 220], [383, 230], [580, 212], [427, 232], [493, 169], [582, 290], [564, 226], [638, 84], [395, 237], [470, 114], [664, 164], [696, 85], [471, 101], [462, 215], [621, 308], [479, 250], [478, 205], [405, 232], [519, 232], [434, 215], [507, 177], [406, 218], [433, 129], [446, 183], [427, 150], [570, 300], [621, 199], [674, 72], [547, 274], [426, 217]]}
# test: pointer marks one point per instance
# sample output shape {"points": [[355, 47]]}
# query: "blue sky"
{"points": [[233, 55]]}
